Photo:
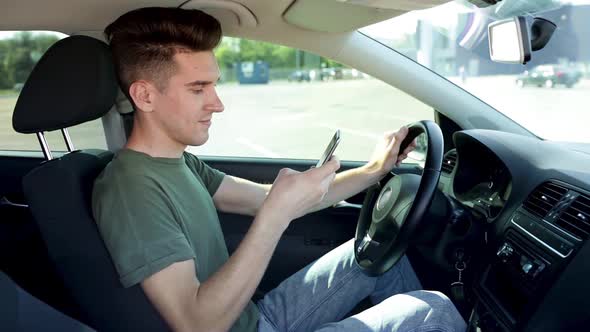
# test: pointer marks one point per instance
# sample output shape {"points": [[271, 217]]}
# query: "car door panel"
{"points": [[307, 238]]}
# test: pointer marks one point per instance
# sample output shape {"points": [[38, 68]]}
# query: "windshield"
{"points": [[549, 95]]}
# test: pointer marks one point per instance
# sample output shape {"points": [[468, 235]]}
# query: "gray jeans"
{"points": [[318, 297]]}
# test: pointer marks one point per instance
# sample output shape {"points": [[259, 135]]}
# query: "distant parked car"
{"points": [[549, 76], [331, 74], [299, 76]]}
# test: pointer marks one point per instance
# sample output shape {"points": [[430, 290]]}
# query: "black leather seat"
{"points": [[74, 82]]}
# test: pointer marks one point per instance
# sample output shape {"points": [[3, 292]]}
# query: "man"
{"points": [[155, 205]]}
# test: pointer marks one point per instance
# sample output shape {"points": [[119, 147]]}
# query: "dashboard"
{"points": [[533, 199], [482, 181]]}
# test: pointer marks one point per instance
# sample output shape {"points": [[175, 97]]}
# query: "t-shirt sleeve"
{"points": [[137, 224], [210, 176]]}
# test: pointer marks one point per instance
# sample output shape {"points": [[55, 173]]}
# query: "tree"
{"points": [[5, 82], [19, 54], [20, 64], [226, 56], [233, 50], [285, 56]]}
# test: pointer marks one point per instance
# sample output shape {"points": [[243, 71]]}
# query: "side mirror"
{"points": [[509, 41]]}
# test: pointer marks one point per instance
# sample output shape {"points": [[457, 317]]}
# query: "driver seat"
{"points": [[74, 82]]}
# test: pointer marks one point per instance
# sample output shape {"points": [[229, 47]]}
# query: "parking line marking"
{"points": [[260, 149]]}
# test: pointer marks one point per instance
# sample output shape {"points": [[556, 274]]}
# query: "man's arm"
{"points": [[214, 305], [347, 184], [384, 158], [241, 196], [237, 195]]}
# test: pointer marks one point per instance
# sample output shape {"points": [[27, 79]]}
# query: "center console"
{"points": [[527, 257]]}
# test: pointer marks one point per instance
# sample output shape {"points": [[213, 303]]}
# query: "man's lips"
{"points": [[205, 122]]}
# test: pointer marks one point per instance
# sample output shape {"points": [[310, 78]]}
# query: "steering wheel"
{"points": [[391, 213]]}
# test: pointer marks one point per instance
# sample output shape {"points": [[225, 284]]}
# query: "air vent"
{"points": [[449, 162], [544, 198], [576, 218]]}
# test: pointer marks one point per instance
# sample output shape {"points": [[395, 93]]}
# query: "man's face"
{"points": [[185, 107]]}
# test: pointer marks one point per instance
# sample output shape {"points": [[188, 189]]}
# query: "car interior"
{"points": [[498, 218]]}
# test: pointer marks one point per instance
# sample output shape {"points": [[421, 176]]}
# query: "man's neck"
{"points": [[153, 141]]}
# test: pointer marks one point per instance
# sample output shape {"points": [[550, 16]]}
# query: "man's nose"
{"points": [[214, 104]]}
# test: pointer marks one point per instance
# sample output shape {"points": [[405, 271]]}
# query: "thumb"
{"points": [[328, 168]]}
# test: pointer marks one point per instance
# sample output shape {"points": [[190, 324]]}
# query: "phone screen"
{"points": [[330, 149]]}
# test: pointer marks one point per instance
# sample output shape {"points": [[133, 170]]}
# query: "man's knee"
{"points": [[438, 311], [434, 299]]}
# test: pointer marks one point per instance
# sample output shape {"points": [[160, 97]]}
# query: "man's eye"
{"points": [[198, 92]]}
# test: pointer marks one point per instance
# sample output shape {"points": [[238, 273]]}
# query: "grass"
{"points": [[8, 92]]}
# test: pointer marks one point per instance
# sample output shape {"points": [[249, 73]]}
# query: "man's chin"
{"points": [[198, 141]]}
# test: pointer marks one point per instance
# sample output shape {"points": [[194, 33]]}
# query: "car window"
{"points": [[19, 52], [286, 103]]}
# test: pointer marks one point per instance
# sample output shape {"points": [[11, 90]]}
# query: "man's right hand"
{"points": [[294, 193]]}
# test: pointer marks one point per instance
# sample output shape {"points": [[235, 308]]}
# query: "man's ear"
{"points": [[143, 94]]}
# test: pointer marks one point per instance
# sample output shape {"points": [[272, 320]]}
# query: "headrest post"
{"points": [[68, 140], [44, 146]]}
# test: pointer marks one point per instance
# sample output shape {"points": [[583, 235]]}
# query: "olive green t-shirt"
{"points": [[152, 212]]}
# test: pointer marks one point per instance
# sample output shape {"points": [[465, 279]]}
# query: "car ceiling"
{"points": [[78, 16]]}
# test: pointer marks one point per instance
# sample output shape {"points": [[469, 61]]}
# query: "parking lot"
{"points": [[552, 113], [296, 120]]}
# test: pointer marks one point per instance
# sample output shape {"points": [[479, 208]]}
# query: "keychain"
{"points": [[457, 289]]}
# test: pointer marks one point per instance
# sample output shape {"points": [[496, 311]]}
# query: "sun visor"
{"points": [[405, 5], [349, 15]]}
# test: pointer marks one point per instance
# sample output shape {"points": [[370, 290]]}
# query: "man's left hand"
{"points": [[387, 155]]}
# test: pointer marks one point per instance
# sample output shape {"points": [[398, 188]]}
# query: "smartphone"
{"points": [[330, 149]]}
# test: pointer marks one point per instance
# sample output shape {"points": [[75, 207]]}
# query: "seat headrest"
{"points": [[74, 82]]}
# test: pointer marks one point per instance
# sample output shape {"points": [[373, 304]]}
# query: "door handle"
{"points": [[6, 202]]}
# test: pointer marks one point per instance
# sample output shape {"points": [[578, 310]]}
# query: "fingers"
{"points": [[328, 168], [410, 148], [388, 135], [395, 145], [398, 137]]}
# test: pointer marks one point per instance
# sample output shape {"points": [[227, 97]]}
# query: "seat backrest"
{"points": [[59, 190], [59, 194]]}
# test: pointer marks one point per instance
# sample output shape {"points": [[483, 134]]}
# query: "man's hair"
{"points": [[144, 42]]}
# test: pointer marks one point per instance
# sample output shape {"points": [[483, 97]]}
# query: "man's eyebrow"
{"points": [[199, 82]]}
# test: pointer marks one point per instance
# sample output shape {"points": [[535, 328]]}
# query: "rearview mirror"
{"points": [[509, 41]]}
